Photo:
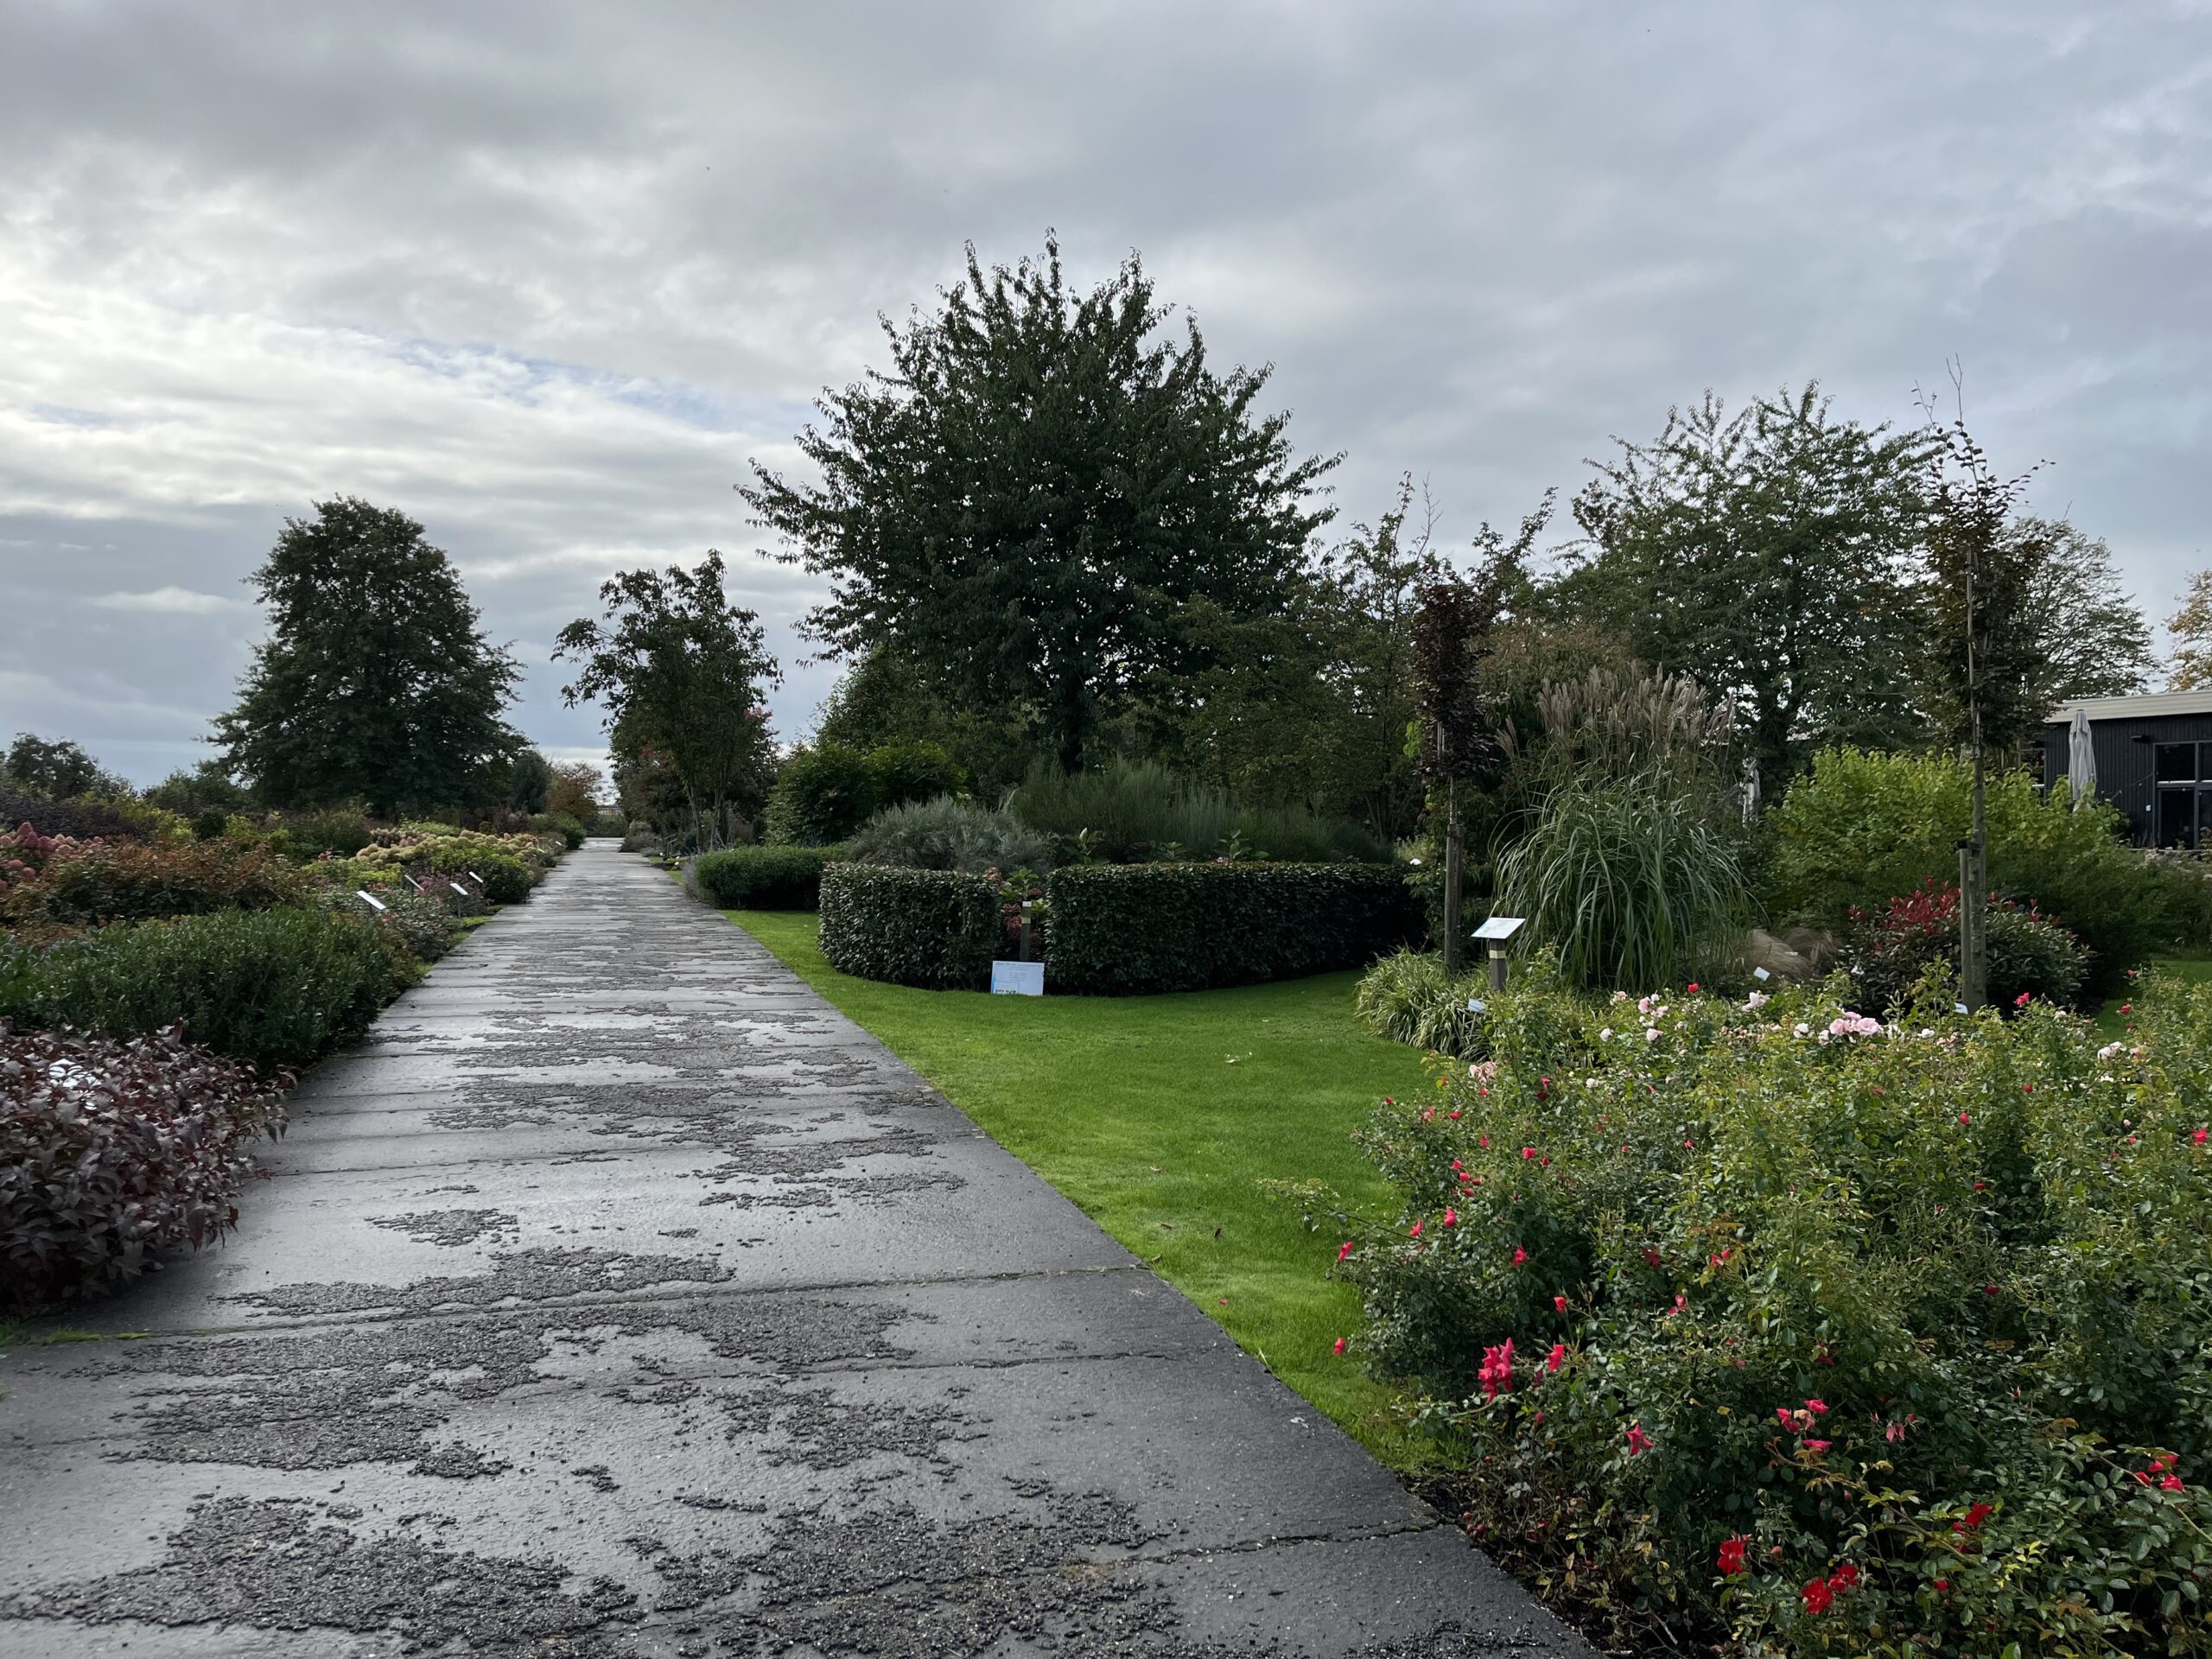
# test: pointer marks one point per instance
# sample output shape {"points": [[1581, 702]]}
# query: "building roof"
{"points": [[2148, 707]]}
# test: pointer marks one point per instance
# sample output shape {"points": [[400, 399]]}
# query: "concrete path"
{"points": [[617, 1296]]}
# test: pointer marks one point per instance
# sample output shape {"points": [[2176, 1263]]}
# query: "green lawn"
{"points": [[2108, 1020], [1157, 1115]]}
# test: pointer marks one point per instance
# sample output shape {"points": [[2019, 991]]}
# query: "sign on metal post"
{"points": [[368, 898]]}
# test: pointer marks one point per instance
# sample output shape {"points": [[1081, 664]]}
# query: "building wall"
{"points": [[2125, 749]]}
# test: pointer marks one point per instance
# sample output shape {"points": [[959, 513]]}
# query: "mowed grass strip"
{"points": [[1159, 1116]]}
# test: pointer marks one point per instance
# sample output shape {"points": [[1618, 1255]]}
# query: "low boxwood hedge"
{"points": [[937, 929], [762, 878], [1134, 929]]}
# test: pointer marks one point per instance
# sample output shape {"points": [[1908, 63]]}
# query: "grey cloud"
{"points": [[546, 275]]}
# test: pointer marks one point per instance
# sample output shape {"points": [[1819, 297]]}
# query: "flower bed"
{"points": [[112, 1151], [1790, 1330]]}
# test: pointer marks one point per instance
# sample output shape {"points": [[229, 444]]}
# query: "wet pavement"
{"points": [[617, 1296]]}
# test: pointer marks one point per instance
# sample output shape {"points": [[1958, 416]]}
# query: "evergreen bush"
{"points": [[761, 878], [937, 929], [1135, 929]]}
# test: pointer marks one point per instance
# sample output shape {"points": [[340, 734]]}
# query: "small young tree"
{"points": [[683, 675], [1451, 725], [376, 683]]}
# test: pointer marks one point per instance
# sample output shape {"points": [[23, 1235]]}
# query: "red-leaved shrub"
{"points": [[114, 1150]]}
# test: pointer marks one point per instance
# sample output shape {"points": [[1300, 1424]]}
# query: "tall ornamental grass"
{"points": [[1624, 881]]}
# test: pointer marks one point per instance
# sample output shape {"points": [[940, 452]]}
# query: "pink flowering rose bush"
{"points": [[1798, 1331]]}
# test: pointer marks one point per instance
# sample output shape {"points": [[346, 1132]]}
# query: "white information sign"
{"points": [[368, 898], [1501, 928], [1761, 975], [1475, 1005], [458, 889], [1017, 979]]}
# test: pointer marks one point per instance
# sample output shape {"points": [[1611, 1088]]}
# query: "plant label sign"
{"points": [[1761, 975], [1475, 1005], [458, 889], [1017, 979], [1501, 928], [368, 898]]}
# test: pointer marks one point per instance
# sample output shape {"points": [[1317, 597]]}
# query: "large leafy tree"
{"points": [[683, 675], [2192, 627], [1041, 495], [376, 683], [58, 767], [1769, 554]]}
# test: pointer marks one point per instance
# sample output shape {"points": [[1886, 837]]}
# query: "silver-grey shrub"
{"points": [[951, 834]]}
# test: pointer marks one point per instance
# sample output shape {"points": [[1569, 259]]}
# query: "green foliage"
{"points": [[762, 878], [529, 781], [913, 770], [1088, 483], [2049, 618], [376, 683], [937, 929], [1893, 949], [1927, 1303], [821, 795], [1628, 882], [106, 881], [273, 987], [948, 834], [59, 769], [420, 922], [1136, 929], [206, 788], [79, 820], [683, 676], [1408, 998], [507, 880], [1862, 828], [1134, 813], [1769, 555]]}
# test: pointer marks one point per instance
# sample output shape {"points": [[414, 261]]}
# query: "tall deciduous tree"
{"points": [[1036, 495], [2192, 625], [376, 683], [683, 675], [1769, 555], [2096, 640]]}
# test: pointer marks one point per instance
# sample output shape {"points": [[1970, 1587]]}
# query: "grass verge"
{"points": [[1158, 1116]]}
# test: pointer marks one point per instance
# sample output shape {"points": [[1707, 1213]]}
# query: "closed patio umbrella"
{"points": [[2080, 759]]}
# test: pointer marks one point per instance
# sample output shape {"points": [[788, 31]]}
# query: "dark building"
{"points": [[2154, 762]]}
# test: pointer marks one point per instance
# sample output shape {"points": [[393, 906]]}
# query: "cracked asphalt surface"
{"points": [[617, 1296]]}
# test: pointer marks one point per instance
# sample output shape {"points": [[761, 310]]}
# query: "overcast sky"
{"points": [[545, 275]]}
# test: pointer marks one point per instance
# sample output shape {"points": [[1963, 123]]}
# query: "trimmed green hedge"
{"points": [[1135, 929], [273, 987], [763, 878], [937, 929]]}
